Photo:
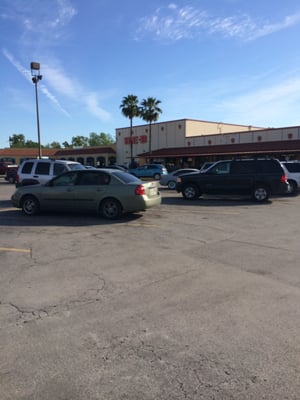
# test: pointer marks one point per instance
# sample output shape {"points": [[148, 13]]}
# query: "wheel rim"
{"points": [[189, 192], [30, 206], [260, 194], [157, 177], [172, 185], [111, 209]]}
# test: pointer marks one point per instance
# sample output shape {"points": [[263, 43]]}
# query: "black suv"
{"points": [[258, 178]]}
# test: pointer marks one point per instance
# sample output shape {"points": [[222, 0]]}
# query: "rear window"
{"points": [[27, 167], [59, 169], [242, 167], [126, 177], [292, 167], [74, 166], [269, 166], [42, 168]]}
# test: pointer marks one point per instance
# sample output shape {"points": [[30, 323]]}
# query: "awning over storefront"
{"points": [[278, 147]]}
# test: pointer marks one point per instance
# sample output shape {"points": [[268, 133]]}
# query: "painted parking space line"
{"points": [[16, 250]]}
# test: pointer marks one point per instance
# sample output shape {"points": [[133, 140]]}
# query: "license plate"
{"points": [[152, 191]]}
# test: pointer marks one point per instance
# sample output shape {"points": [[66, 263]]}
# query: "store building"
{"points": [[190, 143]]}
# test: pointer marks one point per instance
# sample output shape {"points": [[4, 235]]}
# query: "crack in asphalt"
{"points": [[26, 315]]}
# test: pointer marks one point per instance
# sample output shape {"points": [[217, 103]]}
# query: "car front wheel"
{"points": [[30, 205], [190, 192], [110, 209], [156, 176], [260, 193]]}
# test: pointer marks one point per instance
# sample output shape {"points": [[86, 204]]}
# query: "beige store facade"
{"points": [[191, 142], [169, 134]]}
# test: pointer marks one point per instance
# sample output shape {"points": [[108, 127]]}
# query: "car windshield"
{"points": [[125, 177], [76, 166]]}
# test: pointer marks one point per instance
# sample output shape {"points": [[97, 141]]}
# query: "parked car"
{"points": [[4, 165], [258, 178], [149, 171], [11, 173], [170, 179], [109, 192], [293, 175], [35, 171]]}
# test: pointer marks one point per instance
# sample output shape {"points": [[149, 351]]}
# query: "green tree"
{"points": [[130, 109], [103, 139], [30, 144], [150, 112], [80, 141], [66, 144], [17, 140], [54, 145]]}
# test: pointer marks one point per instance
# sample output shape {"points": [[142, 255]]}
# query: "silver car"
{"points": [[171, 178], [109, 192]]}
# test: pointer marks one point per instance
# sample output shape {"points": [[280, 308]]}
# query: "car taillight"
{"points": [[17, 178], [283, 179], [140, 190]]}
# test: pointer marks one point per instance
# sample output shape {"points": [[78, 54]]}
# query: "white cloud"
{"points": [[176, 23], [44, 23], [93, 107], [63, 85], [268, 106], [27, 74]]}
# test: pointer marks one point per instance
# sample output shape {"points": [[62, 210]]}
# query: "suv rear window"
{"points": [[42, 168], [27, 167], [269, 166], [292, 167], [58, 169]]}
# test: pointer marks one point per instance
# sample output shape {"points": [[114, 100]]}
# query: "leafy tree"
{"points": [[80, 141], [103, 139], [17, 140], [66, 144], [150, 113], [54, 145], [130, 109], [30, 144]]}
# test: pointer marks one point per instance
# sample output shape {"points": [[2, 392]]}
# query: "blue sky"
{"points": [[233, 61]]}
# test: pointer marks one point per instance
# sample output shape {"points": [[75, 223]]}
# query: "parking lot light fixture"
{"points": [[36, 77]]}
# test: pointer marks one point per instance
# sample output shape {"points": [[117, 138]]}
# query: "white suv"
{"points": [[36, 171], [292, 170]]}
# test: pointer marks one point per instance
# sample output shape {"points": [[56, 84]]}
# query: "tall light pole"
{"points": [[36, 77]]}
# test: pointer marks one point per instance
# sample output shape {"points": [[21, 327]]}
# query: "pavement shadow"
{"points": [[15, 217]]}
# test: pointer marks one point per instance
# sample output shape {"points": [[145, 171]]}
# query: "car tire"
{"points": [[110, 208], [156, 176], [30, 205], [190, 192], [171, 185], [261, 193], [293, 188]]}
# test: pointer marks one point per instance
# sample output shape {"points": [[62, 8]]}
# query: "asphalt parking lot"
{"points": [[190, 300]]}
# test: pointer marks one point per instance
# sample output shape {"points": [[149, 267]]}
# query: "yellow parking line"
{"points": [[13, 249]]}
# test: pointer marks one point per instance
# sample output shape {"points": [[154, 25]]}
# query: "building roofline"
{"points": [[194, 120]]}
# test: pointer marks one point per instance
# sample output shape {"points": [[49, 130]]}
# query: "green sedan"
{"points": [[108, 192]]}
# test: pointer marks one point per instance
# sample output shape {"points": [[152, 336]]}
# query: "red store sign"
{"points": [[135, 139]]}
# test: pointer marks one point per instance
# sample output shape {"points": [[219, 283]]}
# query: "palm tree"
{"points": [[150, 113], [130, 109]]}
